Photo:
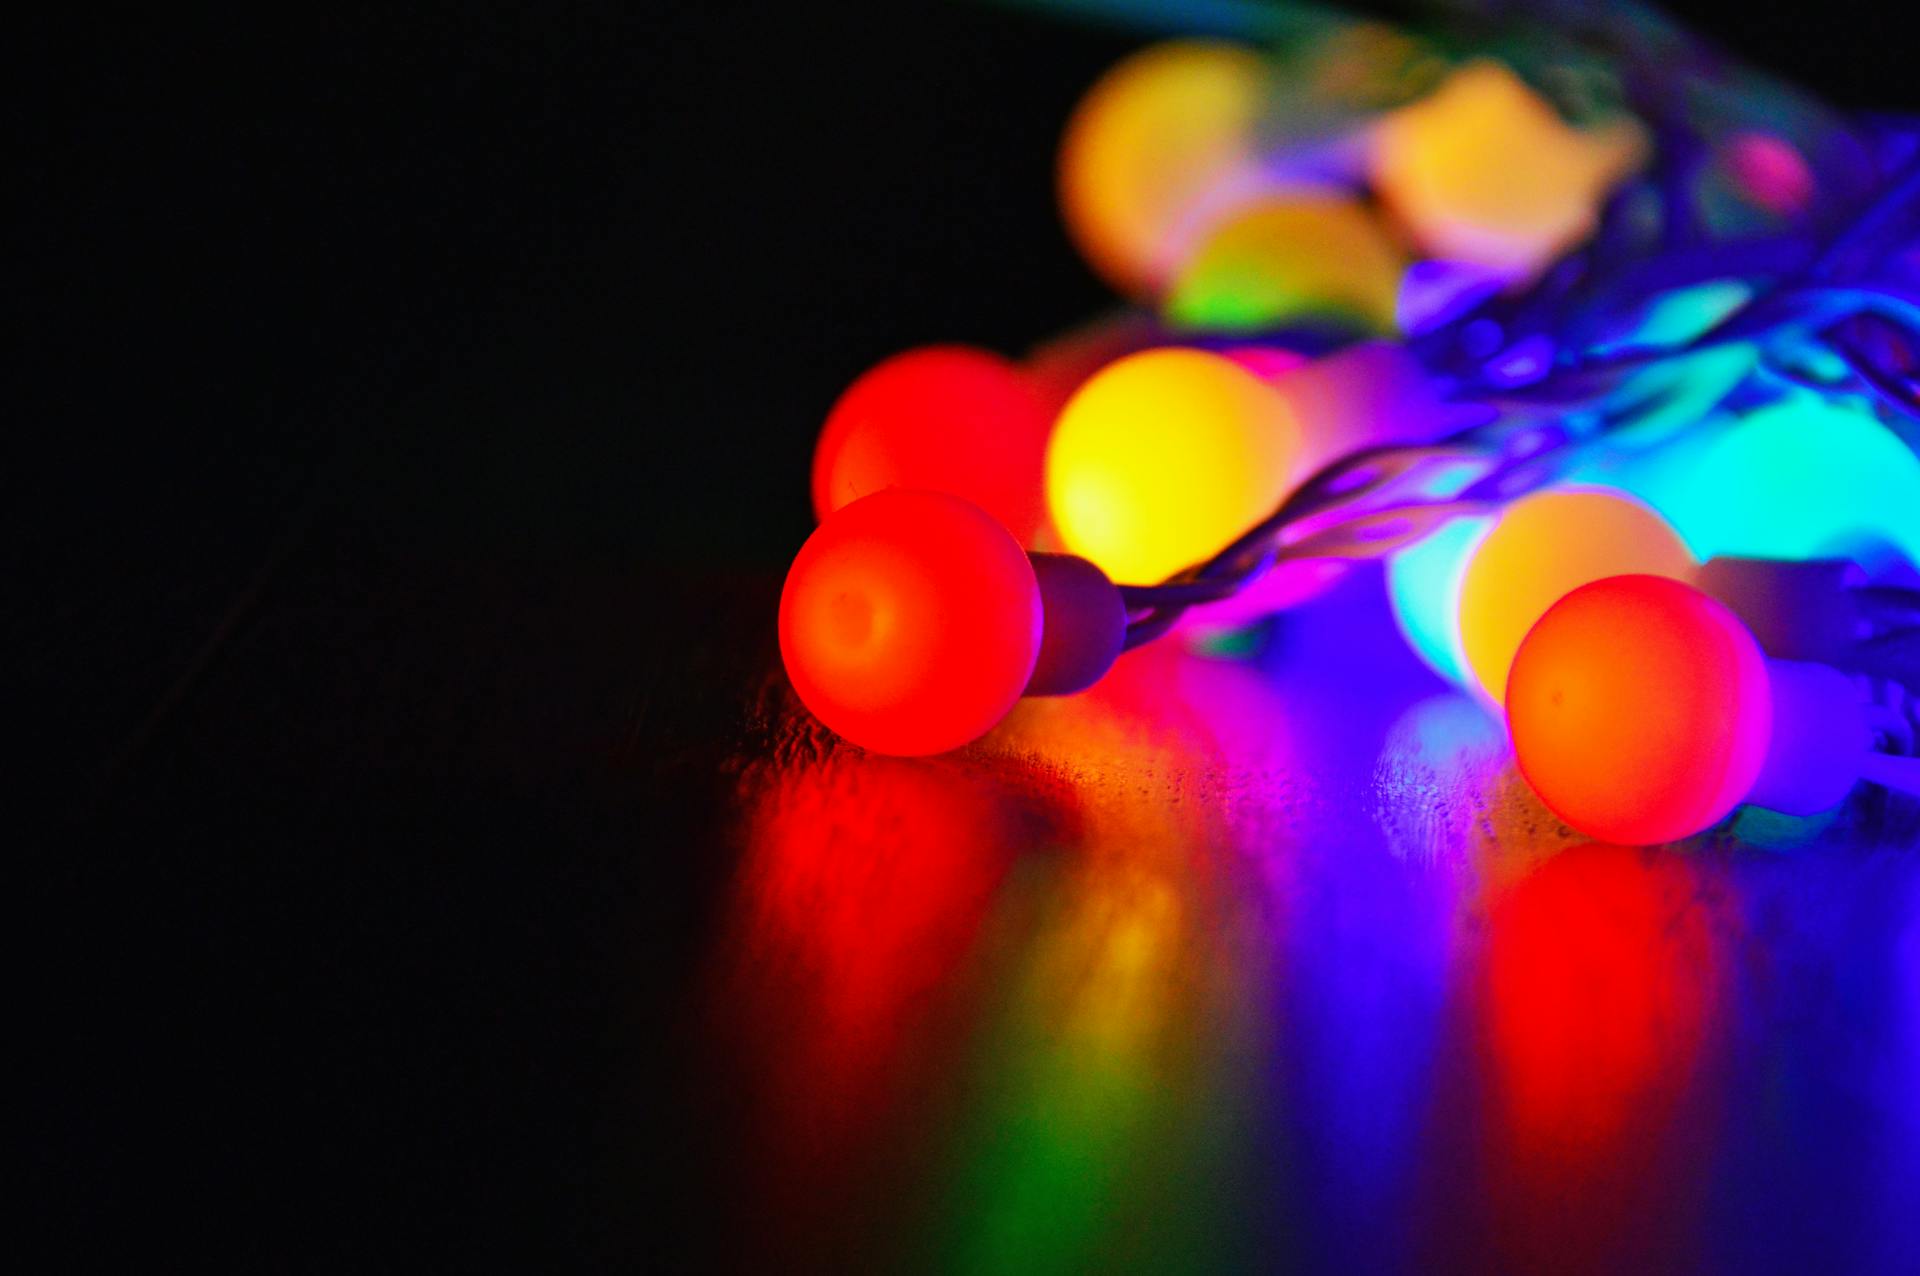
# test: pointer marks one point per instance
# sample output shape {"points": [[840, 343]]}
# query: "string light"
{"points": [[1683, 331]]}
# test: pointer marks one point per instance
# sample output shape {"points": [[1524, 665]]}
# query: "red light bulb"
{"points": [[939, 418], [1640, 710], [910, 622]]}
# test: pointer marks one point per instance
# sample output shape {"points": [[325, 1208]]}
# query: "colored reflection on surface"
{"points": [[1600, 978], [862, 892], [1604, 981], [1095, 1078], [1269, 959], [1109, 1069]]}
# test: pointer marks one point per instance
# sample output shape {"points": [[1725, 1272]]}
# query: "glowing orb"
{"points": [[941, 418], [1803, 478], [1544, 546], [1160, 140], [1771, 171], [1640, 710], [1288, 261], [1165, 457], [1423, 584], [910, 622], [1484, 171]]}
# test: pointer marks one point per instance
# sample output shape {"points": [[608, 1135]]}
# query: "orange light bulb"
{"points": [[1641, 710], [1484, 170], [1544, 546], [910, 622], [941, 418], [1163, 140]]}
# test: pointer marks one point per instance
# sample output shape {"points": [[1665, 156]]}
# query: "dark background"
{"points": [[411, 422]]}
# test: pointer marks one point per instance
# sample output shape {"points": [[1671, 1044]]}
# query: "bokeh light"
{"points": [[1770, 170], [1484, 171], [1164, 139], [1640, 710], [1165, 457], [910, 622], [1423, 583], [1539, 549], [943, 418], [1302, 260], [1801, 478]]}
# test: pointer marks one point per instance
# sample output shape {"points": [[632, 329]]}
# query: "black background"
{"points": [[411, 421]]}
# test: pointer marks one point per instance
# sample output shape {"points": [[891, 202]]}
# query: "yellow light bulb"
{"points": [[1165, 457], [1483, 170], [1160, 136], [1542, 548]]}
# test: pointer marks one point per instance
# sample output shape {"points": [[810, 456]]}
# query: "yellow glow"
{"points": [[1165, 457], [1161, 134], [1483, 170], [1544, 547], [1290, 259]]}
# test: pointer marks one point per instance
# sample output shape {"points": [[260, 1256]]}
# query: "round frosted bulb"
{"points": [[940, 418], [1543, 547], [910, 622], [1164, 458], [1640, 710], [1290, 260], [1161, 139], [1484, 171]]}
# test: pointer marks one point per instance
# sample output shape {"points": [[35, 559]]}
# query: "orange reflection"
{"points": [[1107, 1082]]}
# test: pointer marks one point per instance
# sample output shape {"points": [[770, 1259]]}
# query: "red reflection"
{"points": [[1603, 972], [862, 893], [1600, 974]]}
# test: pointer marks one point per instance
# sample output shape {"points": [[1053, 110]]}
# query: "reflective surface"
{"points": [[1271, 961]]}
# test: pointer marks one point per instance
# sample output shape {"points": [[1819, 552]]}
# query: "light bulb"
{"points": [[1539, 549], [939, 418], [1639, 710], [1165, 457], [1164, 138], [910, 622], [1643, 711], [1290, 260], [1798, 479], [1484, 171]]}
